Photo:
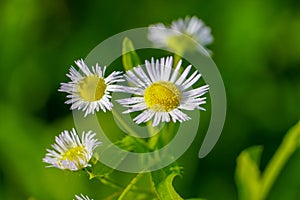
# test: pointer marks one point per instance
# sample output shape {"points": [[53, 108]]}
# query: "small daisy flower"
{"points": [[178, 36], [89, 91], [162, 94], [82, 197], [70, 152]]}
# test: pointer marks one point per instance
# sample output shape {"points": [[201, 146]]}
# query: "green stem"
{"points": [[128, 129], [130, 186], [111, 183], [169, 133], [153, 141], [107, 181], [151, 130], [286, 149], [113, 196]]}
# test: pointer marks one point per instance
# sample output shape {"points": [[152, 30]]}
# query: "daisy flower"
{"points": [[181, 35], [82, 197], [89, 91], [70, 152], [161, 93]]}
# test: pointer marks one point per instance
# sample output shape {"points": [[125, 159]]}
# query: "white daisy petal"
{"points": [[82, 197], [90, 91], [84, 68], [131, 100], [134, 79], [187, 107], [131, 90], [168, 69], [176, 72], [142, 75], [136, 107], [144, 116], [70, 152], [181, 116], [196, 92], [191, 81], [155, 70], [158, 97], [156, 120], [190, 78], [183, 76], [166, 117]]}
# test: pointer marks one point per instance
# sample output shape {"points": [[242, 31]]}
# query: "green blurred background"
{"points": [[257, 50]]}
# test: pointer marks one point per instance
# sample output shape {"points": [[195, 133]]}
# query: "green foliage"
{"points": [[251, 183], [130, 58], [248, 173], [159, 183], [257, 45], [195, 199], [163, 182]]}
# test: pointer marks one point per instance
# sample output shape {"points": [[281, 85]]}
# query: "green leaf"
{"points": [[288, 146], [130, 58], [254, 185], [248, 176], [163, 182], [98, 169]]}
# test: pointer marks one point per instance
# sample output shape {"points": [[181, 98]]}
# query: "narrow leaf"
{"points": [[248, 176], [288, 146], [130, 58]]}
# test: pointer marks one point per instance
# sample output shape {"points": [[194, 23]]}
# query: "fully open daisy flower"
{"points": [[178, 36], [70, 152], [82, 197], [161, 93], [89, 91]]}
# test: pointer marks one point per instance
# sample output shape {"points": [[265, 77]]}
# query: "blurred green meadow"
{"points": [[257, 51]]}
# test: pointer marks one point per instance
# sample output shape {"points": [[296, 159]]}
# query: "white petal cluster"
{"points": [[70, 152], [192, 27], [160, 72], [82, 197], [84, 73]]}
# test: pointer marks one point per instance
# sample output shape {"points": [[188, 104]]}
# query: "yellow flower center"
{"points": [[162, 96], [75, 154], [91, 88], [181, 43]]}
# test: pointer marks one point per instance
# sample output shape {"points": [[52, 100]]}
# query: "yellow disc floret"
{"points": [[75, 154], [162, 96], [91, 88]]}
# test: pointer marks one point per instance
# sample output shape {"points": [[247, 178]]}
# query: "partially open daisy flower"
{"points": [[70, 152], [82, 197], [178, 36], [161, 93], [89, 91]]}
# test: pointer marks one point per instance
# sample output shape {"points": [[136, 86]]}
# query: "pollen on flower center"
{"points": [[162, 96], [75, 154], [92, 88]]}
